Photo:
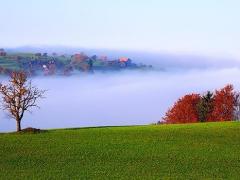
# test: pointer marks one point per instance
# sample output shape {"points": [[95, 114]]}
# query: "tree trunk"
{"points": [[19, 126]]}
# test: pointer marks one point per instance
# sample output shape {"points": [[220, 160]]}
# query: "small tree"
{"points": [[184, 110], [205, 107], [19, 96], [223, 104]]}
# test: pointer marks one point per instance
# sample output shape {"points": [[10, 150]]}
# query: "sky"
{"points": [[203, 27]]}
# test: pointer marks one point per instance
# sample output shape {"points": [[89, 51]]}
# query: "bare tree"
{"points": [[19, 96]]}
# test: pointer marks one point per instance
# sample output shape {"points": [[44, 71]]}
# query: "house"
{"points": [[2, 52], [45, 69], [125, 61]]}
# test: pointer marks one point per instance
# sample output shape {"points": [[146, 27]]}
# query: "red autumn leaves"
{"points": [[223, 105], [191, 108], [184, 110]]}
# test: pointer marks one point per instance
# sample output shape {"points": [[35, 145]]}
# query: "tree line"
{"points": [[220, 105]]}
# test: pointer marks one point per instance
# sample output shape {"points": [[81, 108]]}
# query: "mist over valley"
{"points": [[130, 97]]}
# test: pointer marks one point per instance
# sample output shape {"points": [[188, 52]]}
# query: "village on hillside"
{"points": [[63, 64]]}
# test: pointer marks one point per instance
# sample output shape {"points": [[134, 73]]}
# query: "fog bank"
{"points": [[114, 99]]}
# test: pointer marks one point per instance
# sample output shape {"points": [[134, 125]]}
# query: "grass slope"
{"points": [[210, 150]]}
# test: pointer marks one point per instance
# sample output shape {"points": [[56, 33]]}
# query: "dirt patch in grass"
{"points": [[31, 130]]}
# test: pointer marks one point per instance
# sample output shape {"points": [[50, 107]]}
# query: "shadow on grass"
{"points": [[100, 127], [28, 130]]}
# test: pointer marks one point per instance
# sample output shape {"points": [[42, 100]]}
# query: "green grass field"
{"points": [[195, 151], [8, 63]]}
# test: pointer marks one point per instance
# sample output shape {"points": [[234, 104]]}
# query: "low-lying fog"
{"points": [[126, 98]]}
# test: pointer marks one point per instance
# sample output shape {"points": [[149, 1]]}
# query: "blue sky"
{"points": [[206, 27]]}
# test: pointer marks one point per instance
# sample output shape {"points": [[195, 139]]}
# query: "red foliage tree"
{"points": [[184, 110], [223, 104]]}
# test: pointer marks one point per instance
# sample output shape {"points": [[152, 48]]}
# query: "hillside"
{"points": [[208, 150], [63, 64]]}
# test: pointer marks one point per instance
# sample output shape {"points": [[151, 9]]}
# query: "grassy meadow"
{"points": [[193, 151]]}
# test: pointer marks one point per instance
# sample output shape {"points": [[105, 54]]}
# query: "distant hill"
{"points": [[157, 59], [49, 62]]}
